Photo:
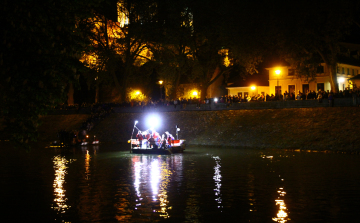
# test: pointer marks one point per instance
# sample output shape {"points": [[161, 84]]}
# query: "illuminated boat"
{"points": [[177, 146], [165, 146]]}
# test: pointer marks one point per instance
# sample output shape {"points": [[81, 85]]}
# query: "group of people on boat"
{"points": [[151, 139]]}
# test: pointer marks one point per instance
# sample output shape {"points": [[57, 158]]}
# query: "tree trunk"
{"points": [[176, 86], [117, 85], [333, 78], [204, 88], [96, 93], [217, 73], [70, 94]]}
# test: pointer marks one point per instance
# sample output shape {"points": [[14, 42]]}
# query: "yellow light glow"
{"points": [[217, 178], [160, 82], [195, 93], [277, 72], [253, 87], [159, 173], [60, 166], [282, 215], [138, 92], [341, 80]]}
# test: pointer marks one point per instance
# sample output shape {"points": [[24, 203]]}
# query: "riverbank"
{"points": [[332, 128]]}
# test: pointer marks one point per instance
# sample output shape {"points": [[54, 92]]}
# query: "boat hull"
{"points": [[178, 146], [168, 151]]}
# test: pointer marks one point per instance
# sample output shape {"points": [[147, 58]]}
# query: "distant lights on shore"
{"points": [[341, 80]]}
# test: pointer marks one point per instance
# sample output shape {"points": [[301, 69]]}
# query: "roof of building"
{"points": [[357, 77], [260, 79]]}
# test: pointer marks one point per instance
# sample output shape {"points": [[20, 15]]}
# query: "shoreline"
{"points": [[321, 129]]}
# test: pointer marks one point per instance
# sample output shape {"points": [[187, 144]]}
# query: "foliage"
{"points": [[41, 44], [310, 33], [121, 48], [134, 95]]}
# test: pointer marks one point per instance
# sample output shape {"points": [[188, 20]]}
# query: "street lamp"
{"points": [[277, 72], [253, 90], [341, 80], [160, 83]]}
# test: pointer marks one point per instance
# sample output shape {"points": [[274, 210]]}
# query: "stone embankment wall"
{"points": [[322, 128]]}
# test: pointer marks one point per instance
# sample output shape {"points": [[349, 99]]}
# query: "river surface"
{"points": [[205, 184]]}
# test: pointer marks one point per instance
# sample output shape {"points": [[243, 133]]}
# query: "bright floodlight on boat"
{"points": [[153, 121]]}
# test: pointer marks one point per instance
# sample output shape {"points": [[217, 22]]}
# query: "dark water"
{"points": [[108, 184]]}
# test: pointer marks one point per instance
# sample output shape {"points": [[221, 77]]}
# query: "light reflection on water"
{"points": [[153, 174], [217, 179], [282, 211], [60, 166], [201, 185]]}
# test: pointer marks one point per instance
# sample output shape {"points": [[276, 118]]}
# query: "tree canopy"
{"points": [[41, 44]]}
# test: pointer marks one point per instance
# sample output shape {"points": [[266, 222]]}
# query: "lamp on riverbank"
{"points": [[153, 120], [277, 72], [341, 81], [132, 134], [160, 83]]}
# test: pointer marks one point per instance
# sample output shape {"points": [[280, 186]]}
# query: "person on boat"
{"points": [[147, 137], [152, 143], [163, 142], [140, 138], [157, 138], [169, 140]]}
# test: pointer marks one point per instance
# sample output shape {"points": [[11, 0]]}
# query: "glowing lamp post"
{"points": [[153, 121], [160, 83], [277, 72], [253, 89], [132, 134], [341, 80]]}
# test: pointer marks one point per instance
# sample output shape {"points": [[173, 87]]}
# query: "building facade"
{"points": [[283, 79]]}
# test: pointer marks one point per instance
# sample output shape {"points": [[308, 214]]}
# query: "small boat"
{"points": [[66, 142]]}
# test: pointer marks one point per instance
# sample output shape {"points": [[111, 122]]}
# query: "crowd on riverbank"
{"points": [[101, 109]]}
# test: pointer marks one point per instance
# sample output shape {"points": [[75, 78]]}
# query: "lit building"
{"points": [[253, 85], [284, 78]]}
